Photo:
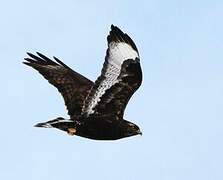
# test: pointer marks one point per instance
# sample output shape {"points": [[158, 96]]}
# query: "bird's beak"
{"points": [[139, 132]]}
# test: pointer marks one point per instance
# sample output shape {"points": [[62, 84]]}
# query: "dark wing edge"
{"points": [[120, 77], [73, 86], [116, 35]]}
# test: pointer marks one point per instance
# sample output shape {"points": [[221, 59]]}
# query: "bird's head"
{"points": [[131, 129]]}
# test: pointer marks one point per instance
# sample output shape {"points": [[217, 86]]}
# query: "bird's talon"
{"points": [[71, 131]]}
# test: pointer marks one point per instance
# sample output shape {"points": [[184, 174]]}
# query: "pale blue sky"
{"points": [[179, 106]]}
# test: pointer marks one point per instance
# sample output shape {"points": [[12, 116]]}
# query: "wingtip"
{"points": [[117, 35], [26, 59], [42, 56], [29, 54], [114, 28], [38, 53], [113, 34], [58, 61], [26, 63], [61, 63]]}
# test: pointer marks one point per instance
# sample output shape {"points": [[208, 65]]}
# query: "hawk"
{"points": [[96, 109]]}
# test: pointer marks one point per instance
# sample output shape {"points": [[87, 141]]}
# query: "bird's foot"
{"points": [[71, 131]]}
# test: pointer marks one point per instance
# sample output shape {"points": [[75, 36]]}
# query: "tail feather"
{"points": [[44, 125], [59, 123]]}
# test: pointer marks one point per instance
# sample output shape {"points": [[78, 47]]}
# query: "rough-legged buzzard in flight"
{"points": [[95, 108]]}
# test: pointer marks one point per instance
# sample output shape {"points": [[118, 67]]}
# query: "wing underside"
{"points": [[120, 76]]}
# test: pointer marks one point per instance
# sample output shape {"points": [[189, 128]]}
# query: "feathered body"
{"points": [[96, 109]]}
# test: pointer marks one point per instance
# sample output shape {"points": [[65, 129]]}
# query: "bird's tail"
{"points": [[59, 123]]}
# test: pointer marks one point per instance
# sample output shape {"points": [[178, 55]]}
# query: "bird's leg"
{"points": [[71, 131]]}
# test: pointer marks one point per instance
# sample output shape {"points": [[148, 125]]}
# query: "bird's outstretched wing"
{"points": [[73, 86], [120, 77]]}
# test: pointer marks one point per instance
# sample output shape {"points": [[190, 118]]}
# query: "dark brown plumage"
{"points": [[96, 109]]}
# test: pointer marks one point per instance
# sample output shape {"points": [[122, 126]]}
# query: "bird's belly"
{"points": [[100, 131]]}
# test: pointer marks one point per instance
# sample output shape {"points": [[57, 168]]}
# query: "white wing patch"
{"points": [[118, 52]]}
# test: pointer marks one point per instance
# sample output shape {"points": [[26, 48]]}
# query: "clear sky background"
{"points": [[179, 106]]}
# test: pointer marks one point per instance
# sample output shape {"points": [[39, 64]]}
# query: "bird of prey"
{"points": [[96, 109]]}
